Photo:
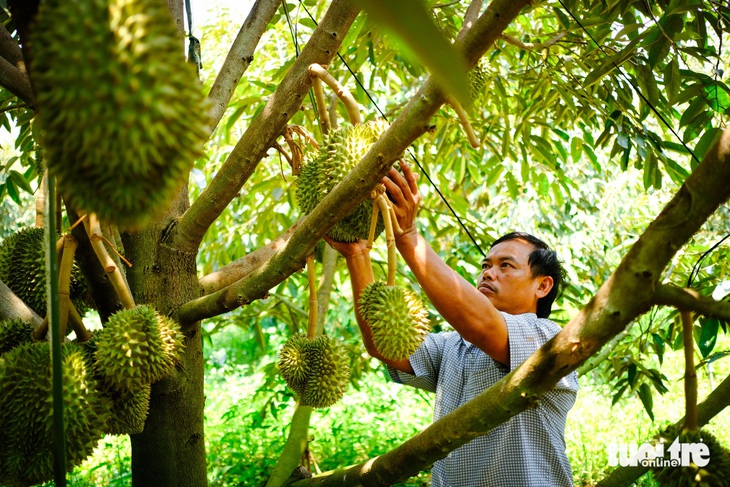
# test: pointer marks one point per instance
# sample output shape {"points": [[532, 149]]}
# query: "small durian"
{"points": [[26, 412], [23, 270], [122, 122], [317, 369], [324, 169], [128, 411], [715, 474], [397, 318], [476, 79], [14, 333], [137, 347], [328, 372], [292, 362]]}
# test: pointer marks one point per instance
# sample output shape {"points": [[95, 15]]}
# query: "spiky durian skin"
{"points": [[397, 318], [123, 121], [292, 362], [476, 79], [128, 411], [23, 269], [14, 333], [323, 170], [715, 474], [328, 372], [133, 349], [26, 449]]}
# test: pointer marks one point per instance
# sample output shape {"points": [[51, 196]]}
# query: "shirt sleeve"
{"points": [[426, 363], [527, 333]]}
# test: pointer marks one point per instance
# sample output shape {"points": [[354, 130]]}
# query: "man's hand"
{"points": [[403, 192], [349, 249]]}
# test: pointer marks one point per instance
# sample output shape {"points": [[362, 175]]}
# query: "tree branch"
{"points": [[15, 81], [239, 57], [689, 299], [12, 307], [264, 130], [716, 401], [10, 49], [533, 46], [628, 293], [356, 186], [240, 268]]}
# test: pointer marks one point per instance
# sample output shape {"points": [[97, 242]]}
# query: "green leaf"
{"points": [[672, 80], [708, 139], [695, 108], [612, 63], [708, 336], [12, 190], [647, 83], [411, 22], [644, 393], [632, 374], [20, 181]]}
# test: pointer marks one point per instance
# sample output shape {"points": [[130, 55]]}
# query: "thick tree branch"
{"points": [[264, 130], [240, 268], [628, 293], [356, 186], [689, 299], [10, 49], [716, 401], [15, 81], [239, 57], [12, 307]]}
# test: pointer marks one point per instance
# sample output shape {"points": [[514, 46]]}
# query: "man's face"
{"points": [[506, 278]]}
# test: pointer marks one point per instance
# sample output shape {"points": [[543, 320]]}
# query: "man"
{"points": [[499, 323]]}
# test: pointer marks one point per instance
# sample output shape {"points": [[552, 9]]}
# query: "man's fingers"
{"points": [[410, 177]]}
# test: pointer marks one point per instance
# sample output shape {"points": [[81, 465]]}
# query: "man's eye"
{"points": [[505, 264]]}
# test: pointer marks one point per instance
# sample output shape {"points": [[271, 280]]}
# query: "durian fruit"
{"points": [[26, 418], [324, 169], [14, 333], [715, 474], [123, 115], [397, 318], [137, 347], [292, 362], [476, 79], [317, 369], [23, 269]]}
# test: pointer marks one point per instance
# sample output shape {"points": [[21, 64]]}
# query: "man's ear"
{"points": [[544, 286]]}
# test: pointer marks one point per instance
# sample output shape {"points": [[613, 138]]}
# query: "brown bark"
{"points": [[628, 293], [239, 57], [690, 299], [12, 307], [264, 130]]}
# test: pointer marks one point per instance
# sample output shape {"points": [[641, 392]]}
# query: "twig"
{"points": [[312, 321], [464, 119], [42, 330], [64, 279], [324, 118], [533, 46], [77, 324], [374, 195], [93, 229], [390, 239], [353, 110]]}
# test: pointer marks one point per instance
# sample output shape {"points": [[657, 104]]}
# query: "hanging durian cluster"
{"points": [[23, 270], [107, 384], [123, 115], [26, 436], [324, 169], [397, 318], [317, 369], [715, 474]]}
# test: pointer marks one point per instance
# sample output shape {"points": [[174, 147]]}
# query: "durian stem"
{"points": [[93, 229], [40, 202], [374, 194], [353, 110], [465, 123], [77, 324], [312, 321], [690, 374], [42, 330], [390, 239], [324, 118], [295, 445], [64, 278]]}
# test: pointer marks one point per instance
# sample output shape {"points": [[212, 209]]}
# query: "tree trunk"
{"points": [[171, 449]]}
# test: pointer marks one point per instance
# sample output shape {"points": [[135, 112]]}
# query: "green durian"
{"points": [[14, 333], [397, 318], [476, 79], [23, 269], [323, 170], [26, 433], [292, 362], [318, 370], [715, 474], [137, 347], [123, 116]]}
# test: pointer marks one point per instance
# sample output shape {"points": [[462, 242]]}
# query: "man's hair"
{"points": [[543, 261]]}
